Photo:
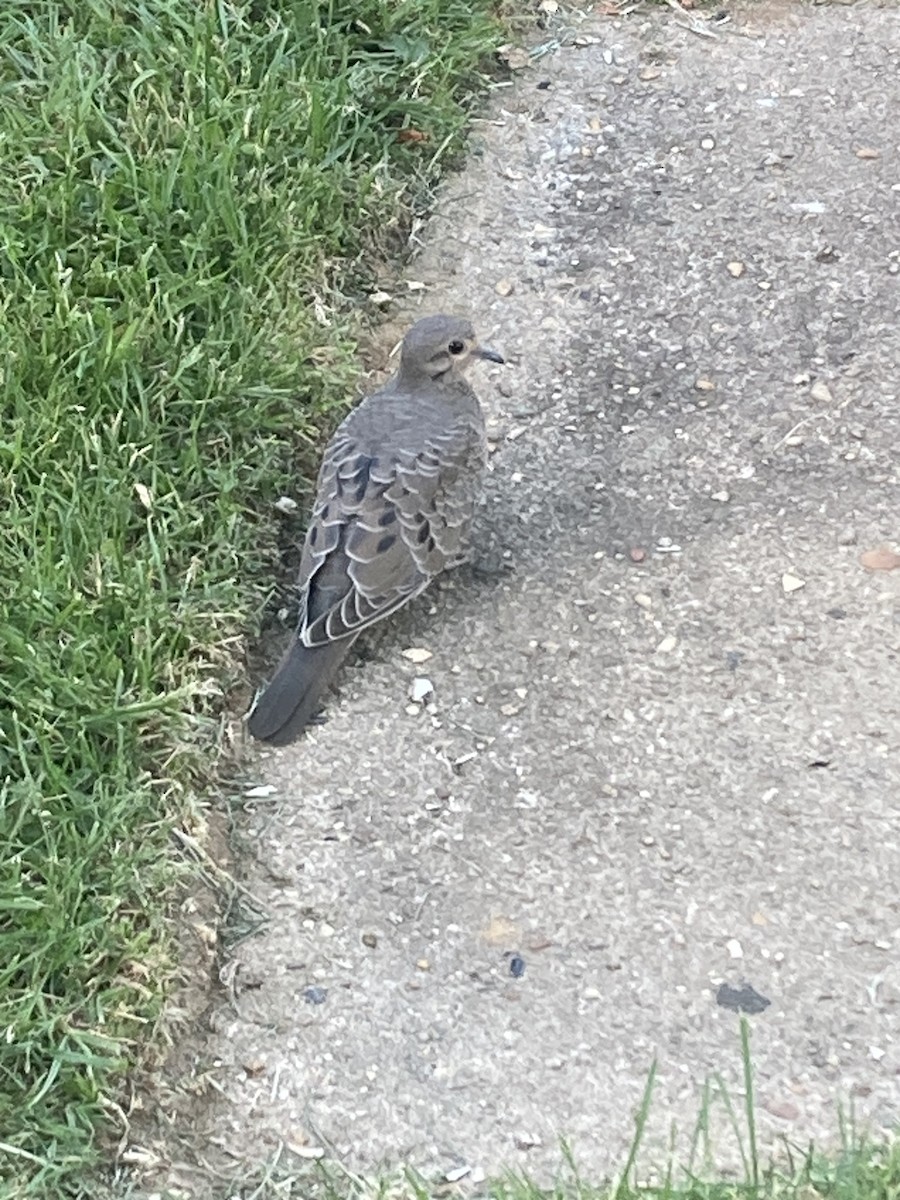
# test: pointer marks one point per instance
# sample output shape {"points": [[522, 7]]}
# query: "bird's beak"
{"points": [[487, 353]]}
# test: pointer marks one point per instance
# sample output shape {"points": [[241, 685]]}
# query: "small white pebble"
{"points": [[416, 654], [420, 688], [260, 792], [790, 583]]}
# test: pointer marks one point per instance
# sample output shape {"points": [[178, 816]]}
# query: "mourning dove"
{"points": [[395, 498]]}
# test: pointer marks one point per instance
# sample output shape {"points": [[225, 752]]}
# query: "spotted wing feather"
{"points": [[383, 527]]}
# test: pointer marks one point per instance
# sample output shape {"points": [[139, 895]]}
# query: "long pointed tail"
{"points": [[292, 698]]}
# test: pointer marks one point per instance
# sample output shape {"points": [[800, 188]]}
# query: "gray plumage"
{"points": [[395, 497]]}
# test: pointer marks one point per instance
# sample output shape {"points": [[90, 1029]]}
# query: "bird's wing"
{"points": [[383, 527]]}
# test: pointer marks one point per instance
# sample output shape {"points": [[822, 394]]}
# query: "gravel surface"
{"points": [[659, 755]]}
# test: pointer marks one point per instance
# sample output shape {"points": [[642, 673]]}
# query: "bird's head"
{"points": [[441, 347]]}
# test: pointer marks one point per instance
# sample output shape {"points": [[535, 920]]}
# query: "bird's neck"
{"points": [[409, 378]]}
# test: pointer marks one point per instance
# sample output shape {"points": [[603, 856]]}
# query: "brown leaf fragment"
{"points": [[500, 930], [538, 943], [515, 57], [786, 1110], [882, 558]]}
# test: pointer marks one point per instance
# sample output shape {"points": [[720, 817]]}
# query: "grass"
{"points": [[858, 1170], [186, 190]]}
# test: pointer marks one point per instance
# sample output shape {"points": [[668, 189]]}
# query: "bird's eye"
{"points": [[456, 347]]}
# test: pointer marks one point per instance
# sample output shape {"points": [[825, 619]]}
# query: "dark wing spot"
{"points": [[388, 517], [429, 545], [362, 469], [386, 542], [353, 476], [313, 535], [422, 534]]}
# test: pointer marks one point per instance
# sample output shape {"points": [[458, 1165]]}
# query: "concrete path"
{"points": [[661, 754]]}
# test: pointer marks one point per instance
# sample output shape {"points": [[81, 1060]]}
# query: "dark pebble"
{"points": [[744, 999]]}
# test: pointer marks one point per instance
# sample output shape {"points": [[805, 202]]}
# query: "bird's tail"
{"points": [[292, 698]]}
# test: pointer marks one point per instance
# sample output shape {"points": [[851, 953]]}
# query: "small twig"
{"points": [[693, 25], [620, 8], [790, 433], [421, 906], [814, 416], [217, 876]]}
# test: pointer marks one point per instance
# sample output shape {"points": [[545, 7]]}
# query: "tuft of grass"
{"points": [[186, 188]]}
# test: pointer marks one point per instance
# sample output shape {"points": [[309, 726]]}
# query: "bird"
{"points": [[394, 504]]}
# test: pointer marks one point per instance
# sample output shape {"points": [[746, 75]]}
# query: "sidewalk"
{"points": [[662, 753]]}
